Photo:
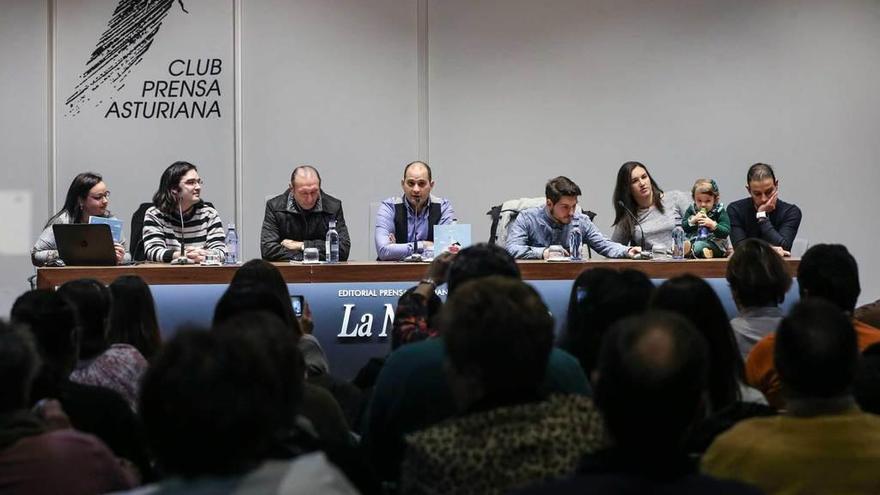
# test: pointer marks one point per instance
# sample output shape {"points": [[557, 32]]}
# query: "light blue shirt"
{"points": [[388, 247], [534, 230]]}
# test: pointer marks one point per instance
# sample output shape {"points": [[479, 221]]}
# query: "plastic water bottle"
{"points": [[677, 243], [703, 232], [231, 244], [575, 241], [331, 245]]}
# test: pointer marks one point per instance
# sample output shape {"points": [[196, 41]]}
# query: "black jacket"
{"points": [[780, 229], [309, 227]]}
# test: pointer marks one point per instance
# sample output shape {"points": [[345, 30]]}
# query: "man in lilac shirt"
{"points": [[405, 226]]}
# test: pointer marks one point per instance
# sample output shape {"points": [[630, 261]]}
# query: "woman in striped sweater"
{"points": [[201, 233]]}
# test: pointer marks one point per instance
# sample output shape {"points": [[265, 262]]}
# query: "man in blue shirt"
{"points": [[406, 225], [535, 229]]}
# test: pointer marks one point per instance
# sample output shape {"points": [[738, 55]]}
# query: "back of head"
{"points": [[266, 277], [210, 404], [599, 298], [829, 271], [133, 315], [412, 305], [242, 298], [18, 367], [498, 331], [92, 302], [651, 378], [816, 354], [693, 298], [267, 332], [53, 323], [480, 260], [867, 385], [757, 275]]}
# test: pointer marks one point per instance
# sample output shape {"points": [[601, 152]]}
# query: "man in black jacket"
{"points": [[300, 217]]}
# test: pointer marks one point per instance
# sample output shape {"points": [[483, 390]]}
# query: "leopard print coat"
{"points": [[494, 451]]}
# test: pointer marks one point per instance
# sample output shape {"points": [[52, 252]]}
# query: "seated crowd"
{"points": [[646, 390]]}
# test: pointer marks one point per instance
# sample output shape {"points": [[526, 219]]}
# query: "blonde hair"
{"points": [[705, 186]]}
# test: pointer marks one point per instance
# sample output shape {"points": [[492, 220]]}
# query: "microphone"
{"points": [[182, 259], [639, 223]]}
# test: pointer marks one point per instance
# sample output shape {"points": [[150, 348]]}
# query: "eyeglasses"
{"points": [[99, 197], [193, 182]]}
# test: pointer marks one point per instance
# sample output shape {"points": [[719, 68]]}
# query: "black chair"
{"points": [[137, 232]]}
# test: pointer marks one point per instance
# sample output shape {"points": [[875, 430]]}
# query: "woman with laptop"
{"points": [[180, 227], [87, 196]]}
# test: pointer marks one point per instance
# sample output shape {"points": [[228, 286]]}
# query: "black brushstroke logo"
{"points": [[129, 35]]}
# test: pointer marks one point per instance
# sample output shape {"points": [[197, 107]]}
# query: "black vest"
{"points": [[401, 230]]}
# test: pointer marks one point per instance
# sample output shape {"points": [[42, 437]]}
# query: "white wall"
{"points": [[332, 84], [515, 92], [522, 91], [24, 162]]}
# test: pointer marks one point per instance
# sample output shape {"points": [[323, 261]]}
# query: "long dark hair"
{"points": [[267, 277], [599, 298], [693, 298], [92, 301], [623, 192], [133, 315], [76, 193], [164, 200]]}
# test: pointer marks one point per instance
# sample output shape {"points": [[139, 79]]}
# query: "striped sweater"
{"points": [[202, 229]]}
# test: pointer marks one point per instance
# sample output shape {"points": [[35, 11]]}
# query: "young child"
{"points": [[706, 222]]}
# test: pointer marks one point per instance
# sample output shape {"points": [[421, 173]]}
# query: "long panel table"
{"points": [[353, 302]]}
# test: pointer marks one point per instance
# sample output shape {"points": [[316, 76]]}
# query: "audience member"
{"points": [[827, 271], [867, 386], [823, 443], [266, 275], [758, 282], [728, 399], [33, 457], [652, 376], [318, 405], [869, 313], [412, 393], [693, 298], [119, 366], [133, 316], [212, 406], [599, 298], [97, 410], [499, 335]]}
